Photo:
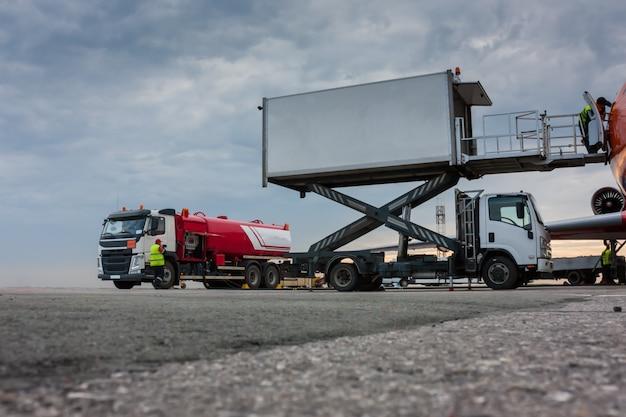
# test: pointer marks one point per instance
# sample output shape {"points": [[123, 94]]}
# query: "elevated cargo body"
{"points": [[408, 129]]}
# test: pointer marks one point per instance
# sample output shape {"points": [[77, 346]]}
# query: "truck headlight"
{"points": [[100, 270], [136, 264]]}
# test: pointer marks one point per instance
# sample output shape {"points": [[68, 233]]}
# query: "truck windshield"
{"points": [[121, 228]]}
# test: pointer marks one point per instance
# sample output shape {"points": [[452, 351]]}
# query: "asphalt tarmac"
{"points": [[63, 351]]}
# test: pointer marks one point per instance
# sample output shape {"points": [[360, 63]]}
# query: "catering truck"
{"points": [[500, 239], [414, 129], [216, 251]]}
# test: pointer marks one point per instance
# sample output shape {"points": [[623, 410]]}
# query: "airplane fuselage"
{"points": [[617, 139]]}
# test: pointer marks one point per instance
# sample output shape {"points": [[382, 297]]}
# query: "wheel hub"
{"points": [[498, 273], [343, 278]]}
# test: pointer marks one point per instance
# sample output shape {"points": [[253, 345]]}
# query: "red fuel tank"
{"points": [[197, 234]]}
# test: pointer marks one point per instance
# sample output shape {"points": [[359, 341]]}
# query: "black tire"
{"points": [[253, 275], [404, 283], [123, 285], [575, 278], [344, 277], [169, 277], [271, 276], [500, 273]]}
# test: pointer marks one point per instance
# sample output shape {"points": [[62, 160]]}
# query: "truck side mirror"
{"points": [[519, 208]]}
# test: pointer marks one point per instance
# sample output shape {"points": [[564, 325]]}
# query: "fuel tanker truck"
{"points": [[217, 251]]}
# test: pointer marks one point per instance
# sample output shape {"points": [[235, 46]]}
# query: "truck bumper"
{"points": [[142, 277], [545, 266]]}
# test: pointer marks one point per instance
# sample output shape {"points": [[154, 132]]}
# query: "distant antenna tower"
{"points": [[440, 217]]}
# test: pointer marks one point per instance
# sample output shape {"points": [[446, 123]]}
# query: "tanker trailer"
{"points": [[217, 251]]}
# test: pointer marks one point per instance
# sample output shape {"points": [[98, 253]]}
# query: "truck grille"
{"points": [[116, 262], [113, 243]]}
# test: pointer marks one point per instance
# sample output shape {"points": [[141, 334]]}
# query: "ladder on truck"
{"points": [[467, 232]]}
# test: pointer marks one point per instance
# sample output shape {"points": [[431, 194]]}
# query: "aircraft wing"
{"points": [[598, 227]]}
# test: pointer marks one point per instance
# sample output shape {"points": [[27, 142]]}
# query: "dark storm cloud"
{"points": [[154, 101]]}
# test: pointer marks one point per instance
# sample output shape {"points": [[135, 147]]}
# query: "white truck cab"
{"points": [[124, 245], [513, 245]]}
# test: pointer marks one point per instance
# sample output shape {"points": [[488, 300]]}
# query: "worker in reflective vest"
{"points": [[157, 261], [607, 263], [585, 117]]}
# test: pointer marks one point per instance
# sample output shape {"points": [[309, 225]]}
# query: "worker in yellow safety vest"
{"points": [[584, 118], [607, 264], [157, 261]]}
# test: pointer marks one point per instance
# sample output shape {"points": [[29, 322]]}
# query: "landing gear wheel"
{"points": [[123, 285], [575, 278], [344, 277], [253, 276], [169, 277], [500, 273], [271, 276]]}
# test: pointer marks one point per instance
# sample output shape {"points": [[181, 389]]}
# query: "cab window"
{"points": [[157, 226], [511, 210]]}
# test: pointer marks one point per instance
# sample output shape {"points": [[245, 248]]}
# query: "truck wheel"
{"points": [[344, 277], [123, 285], [169, 277], [500, 273], [271, 276], [404, 283], [575, 278], [253, 276]]}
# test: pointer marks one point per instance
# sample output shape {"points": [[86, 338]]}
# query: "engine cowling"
{"points": [[607, 200]]}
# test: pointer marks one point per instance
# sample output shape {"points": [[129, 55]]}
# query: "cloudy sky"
{"points": [[110, 103]]}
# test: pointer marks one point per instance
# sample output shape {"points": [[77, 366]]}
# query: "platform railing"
{"points": [[529, 133], [563, 135], [517, 132]]}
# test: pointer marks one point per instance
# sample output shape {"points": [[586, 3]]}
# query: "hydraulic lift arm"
{"points": [[386, 215]]}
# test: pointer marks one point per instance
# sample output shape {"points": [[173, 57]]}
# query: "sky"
{"points": [[111, 103]]}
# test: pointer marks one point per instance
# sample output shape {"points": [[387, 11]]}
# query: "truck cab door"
{"points": [[162, 227], [508, 226]]}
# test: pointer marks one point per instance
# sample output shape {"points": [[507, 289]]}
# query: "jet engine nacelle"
{"points": [[607, 200]]}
